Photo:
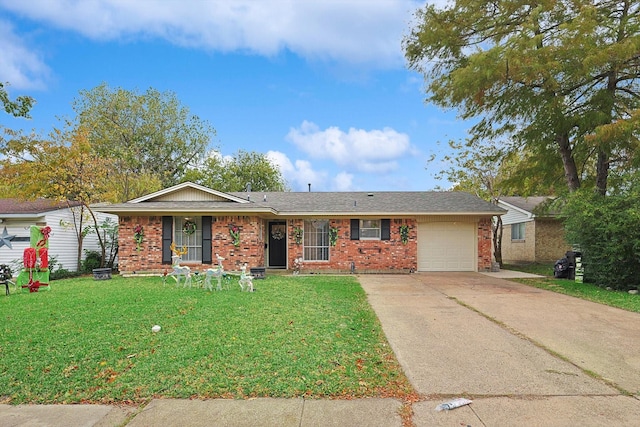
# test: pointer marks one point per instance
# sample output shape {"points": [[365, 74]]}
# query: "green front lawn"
{"points": [[586, 291], [91, 341]]}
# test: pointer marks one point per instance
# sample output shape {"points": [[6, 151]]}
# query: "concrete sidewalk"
{"points": [[207, 413], [521, 354]]}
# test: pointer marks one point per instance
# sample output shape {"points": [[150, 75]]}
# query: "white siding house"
{"points": [[16, 218]]}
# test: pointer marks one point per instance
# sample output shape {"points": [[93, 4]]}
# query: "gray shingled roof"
{"points": [[373, 202], [31, 207], [326, 203], [530, 204]]}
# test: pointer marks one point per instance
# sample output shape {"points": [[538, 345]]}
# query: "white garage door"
{"points": [[446, 246]]}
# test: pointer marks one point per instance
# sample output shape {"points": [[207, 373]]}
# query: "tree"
{"points": [[151, 138], [62, 168], [238, 173], [552, 77], [19, 107], [606, 231]]}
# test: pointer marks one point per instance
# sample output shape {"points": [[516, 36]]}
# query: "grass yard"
{"points": [[586, 291], [91, 341]]}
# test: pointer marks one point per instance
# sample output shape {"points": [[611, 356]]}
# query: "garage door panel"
{"points": [[446, 246]]}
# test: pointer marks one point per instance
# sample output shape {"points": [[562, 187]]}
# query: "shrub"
{"points": [[63, 273], [606, 229], [92, 260]]}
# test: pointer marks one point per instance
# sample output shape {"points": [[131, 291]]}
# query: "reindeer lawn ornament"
{"points": [[246, 281], [217, 272], [179, 272]]}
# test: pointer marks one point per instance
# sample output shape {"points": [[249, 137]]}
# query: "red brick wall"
{"points": [[149, 258], [368, 255], [485, 244]]}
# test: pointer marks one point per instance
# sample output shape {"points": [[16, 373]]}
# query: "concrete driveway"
{"points": [[525, 356]]}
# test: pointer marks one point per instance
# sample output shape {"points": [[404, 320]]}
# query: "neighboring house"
{"points": [[528, 235], [330, 231], [16, 218]]}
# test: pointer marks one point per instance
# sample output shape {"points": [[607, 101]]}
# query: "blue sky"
{"points": [[320, 86]]}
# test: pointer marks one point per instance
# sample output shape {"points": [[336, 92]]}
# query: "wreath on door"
{"points": [[277, 232]]}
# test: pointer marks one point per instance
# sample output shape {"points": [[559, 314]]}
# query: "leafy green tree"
{"points": [[558, 79], [606, 230], [61, 168], [150, 138], [19, 107], [237, 173]]}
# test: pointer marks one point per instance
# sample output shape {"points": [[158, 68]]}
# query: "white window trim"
{"points": [[177, 228], [316, 247], [378, 228], [521, 227]]}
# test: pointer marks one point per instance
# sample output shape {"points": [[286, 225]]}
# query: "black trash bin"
{"points": [[561, 269], [571, 256]]}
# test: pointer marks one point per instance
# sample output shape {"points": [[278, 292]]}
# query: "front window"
{"points": [[186, 234], [517, 231], [316, 240], [370, 229]]}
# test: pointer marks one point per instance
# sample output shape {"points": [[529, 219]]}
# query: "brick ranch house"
{"points": [[331, 231]]}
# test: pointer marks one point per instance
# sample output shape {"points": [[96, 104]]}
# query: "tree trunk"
{"points": [[602, 173], [497, 240], [570, 169], [101, 242]]}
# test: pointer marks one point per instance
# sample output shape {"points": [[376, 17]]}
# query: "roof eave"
{"points": [[29, 215], [384, 213], [140, 210]]}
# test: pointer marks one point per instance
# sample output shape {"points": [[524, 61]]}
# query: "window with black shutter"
{"points": [[355, 229], [206, 240], [167, 238], [385, 229]]}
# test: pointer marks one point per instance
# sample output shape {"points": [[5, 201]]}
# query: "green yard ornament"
{"points": [[35, 271]]}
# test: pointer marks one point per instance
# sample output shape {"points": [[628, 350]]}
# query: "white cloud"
{"points": [[373, 151], [19, 66], [343, 182], [299, 174], [349, 31]]}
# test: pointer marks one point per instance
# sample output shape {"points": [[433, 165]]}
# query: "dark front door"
{"points": [[278, 245]]}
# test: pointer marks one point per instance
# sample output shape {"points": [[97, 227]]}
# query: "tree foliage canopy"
{"points": [[606, 231], [63, 168], [552, 77], [19, 107], [237, 173], [151, 138]]}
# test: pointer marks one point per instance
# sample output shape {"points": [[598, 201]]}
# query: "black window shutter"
{"points": [[385, 229], [167, 238], [355, 229], [206, 240]]}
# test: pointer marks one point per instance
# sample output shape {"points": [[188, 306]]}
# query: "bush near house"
{"points": [[606, 230]]}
